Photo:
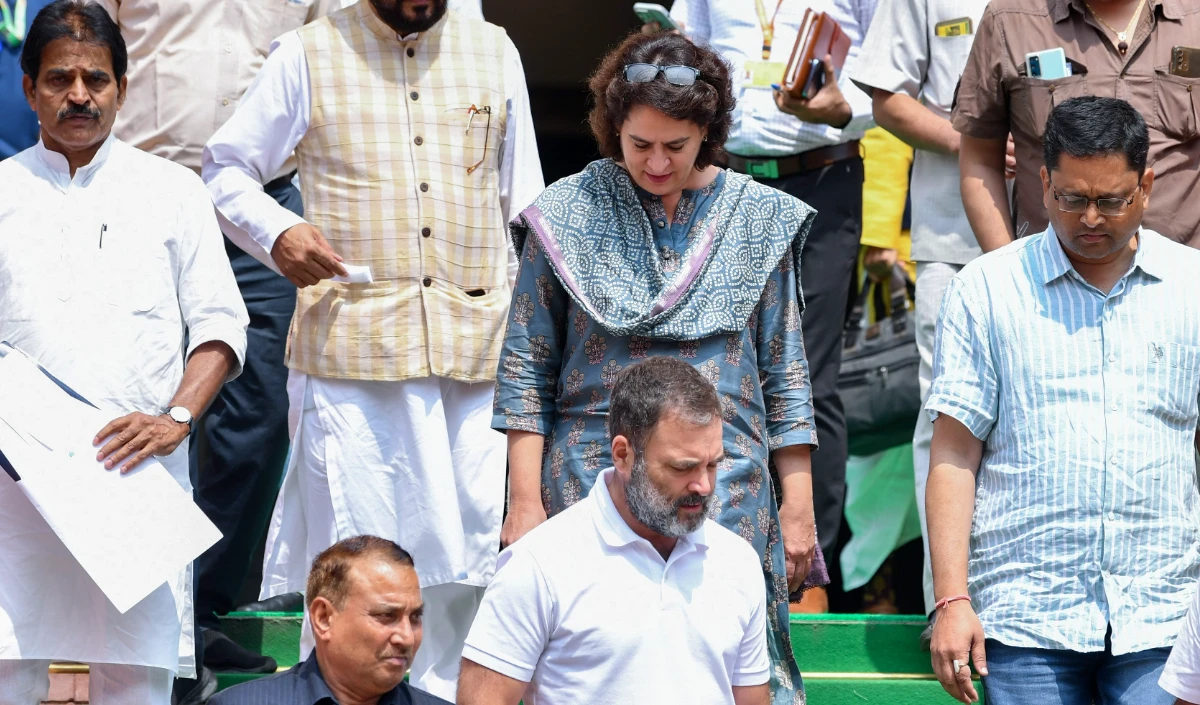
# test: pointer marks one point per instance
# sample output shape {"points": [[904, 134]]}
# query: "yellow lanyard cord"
{"points": [[768, 26]]}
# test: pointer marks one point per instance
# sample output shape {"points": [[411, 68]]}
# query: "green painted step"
{"points": [[846, 659]]}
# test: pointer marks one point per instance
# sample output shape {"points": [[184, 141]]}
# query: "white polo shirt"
{"points": [[1181, 676], [587, 611]]}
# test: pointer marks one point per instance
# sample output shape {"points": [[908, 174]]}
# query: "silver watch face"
{"points": [[180, 414]]}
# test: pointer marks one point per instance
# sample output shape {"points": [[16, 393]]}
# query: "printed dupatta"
{"points": [[600, 244]]}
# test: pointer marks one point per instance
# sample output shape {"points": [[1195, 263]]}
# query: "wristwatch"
{"points": [[180, 414]]}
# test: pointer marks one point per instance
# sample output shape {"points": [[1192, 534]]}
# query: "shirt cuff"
{"points": [[796, 435], [499, 665], [976, 420], [979, 129], [746, 678], [275, 225], [886, 79], [230, 333]]}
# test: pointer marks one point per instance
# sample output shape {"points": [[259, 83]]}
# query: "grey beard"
{"points": [[660, 514]]}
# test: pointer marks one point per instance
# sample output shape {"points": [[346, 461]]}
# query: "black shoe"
{"points": [[224, 655], [195, 691], [287, 602]]}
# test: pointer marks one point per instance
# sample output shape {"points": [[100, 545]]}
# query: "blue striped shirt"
{"points": [[1086, 499]]}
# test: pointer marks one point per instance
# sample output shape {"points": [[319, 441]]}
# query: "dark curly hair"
{"points": [[707, 103]]}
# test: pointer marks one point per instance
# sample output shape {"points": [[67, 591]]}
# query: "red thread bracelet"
{"points": [[941, 604]]}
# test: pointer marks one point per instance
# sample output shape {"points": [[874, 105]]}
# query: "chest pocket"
{"points": [[1174, 372], [1034, 98], [1175, 97]]}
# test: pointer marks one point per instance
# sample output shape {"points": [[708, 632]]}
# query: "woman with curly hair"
{"points": [[653, 251]]}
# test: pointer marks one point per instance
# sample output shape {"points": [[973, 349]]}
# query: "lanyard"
{"points": [[767, 25], [12, 28]]}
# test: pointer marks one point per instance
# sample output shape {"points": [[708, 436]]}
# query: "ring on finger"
{"points": [[957, 666]]}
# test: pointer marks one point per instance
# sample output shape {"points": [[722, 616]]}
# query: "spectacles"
{"points": [[1079, 204], [675, 75], [473, 111]]}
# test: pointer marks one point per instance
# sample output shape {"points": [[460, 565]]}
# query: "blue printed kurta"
{"points": [[558, 365]]}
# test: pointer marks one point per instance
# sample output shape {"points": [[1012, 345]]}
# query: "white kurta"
{"points": [[415, 461], [104, 278]]}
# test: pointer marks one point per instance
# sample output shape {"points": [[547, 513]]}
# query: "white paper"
{"points": [[355, 274], [132, 532]]}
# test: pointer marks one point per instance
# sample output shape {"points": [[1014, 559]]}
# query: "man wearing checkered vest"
{"points": [[412, 131]]}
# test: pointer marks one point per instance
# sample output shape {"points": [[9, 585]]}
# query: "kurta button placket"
{"points": [[414, 95], [425, 232], [418, 141], [426, 281], [424, 187]]}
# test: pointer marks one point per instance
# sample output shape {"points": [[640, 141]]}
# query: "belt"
{"points": [[280, 182], [779, 167]]}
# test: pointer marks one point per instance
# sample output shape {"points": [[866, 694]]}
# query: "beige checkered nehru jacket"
{"points": [[400, 171]]}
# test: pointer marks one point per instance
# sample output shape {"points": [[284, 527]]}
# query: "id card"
{"points": [[761, 74], [954, 28]]}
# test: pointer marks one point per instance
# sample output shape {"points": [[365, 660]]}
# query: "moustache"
{"points": [[692, 500], [79, 111], [406, 655]]}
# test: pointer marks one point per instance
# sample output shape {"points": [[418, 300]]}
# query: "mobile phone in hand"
{"points": [[816, 79], [652, 12]]}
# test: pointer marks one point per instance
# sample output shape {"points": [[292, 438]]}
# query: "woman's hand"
{"points": [[798, 528], [522, 518]]}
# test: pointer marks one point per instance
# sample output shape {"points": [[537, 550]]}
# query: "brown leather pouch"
{"points": [[819, 35]]}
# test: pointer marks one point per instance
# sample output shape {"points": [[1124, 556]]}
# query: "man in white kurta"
{"points": [[113, 277], [415, 144]]}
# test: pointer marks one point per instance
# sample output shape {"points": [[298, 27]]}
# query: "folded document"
{"points": [[130, 532]]}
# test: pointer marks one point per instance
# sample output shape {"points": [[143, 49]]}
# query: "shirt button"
{"points": [[1114, 407], [414, 95], [411, 52], [1112, 516], [662, 223], [225, 101], [418, 141], [425, 187], [1112, 358], [426, 281], [228, 48], [425, 232]]}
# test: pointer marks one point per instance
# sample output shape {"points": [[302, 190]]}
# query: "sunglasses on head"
{"points": [[675, 75]]}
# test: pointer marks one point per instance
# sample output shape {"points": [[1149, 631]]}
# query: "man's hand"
{"points": [[522, 518], [827, 107], [138, 436], [798, 528], [879, 262], [304, 256], [958, 636]]}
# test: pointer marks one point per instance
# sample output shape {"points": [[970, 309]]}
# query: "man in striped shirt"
{"points": [[1062, 497]]}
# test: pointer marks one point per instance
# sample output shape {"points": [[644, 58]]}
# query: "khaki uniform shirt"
{"points": [[996, 98]]}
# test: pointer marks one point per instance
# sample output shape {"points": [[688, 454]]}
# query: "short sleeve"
{"points": [[965, 384], [754, 662], [515, 619], [981, 103], [1181, 676], [895, 53]]}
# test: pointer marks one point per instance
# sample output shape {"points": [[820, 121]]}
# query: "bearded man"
{"points": [[414, 147], [631, 594]]}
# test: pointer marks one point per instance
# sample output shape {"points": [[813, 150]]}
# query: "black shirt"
{"points": [[303, 684]]}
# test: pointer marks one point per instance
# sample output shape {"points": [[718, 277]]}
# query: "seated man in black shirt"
{"points": [[365, 606]]}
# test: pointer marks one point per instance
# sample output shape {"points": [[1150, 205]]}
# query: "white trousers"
{"points": [[418, 463], [932, 280], [27, 682]]}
